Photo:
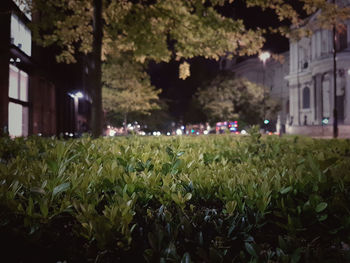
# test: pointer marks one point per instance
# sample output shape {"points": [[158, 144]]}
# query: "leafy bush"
{"points": [[175, 199]]}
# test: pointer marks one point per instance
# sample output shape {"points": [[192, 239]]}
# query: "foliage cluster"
{"points": [[175, 199], [228, 97], [127, 88]]}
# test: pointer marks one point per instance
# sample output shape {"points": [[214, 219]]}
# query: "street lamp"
{"points": [[264, 56], [335, 113], [76, 95]]}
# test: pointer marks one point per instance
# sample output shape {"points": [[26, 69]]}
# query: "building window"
{"points": [[24, 6], [342, 39], [306, 98], [21, 36], [18, 105]]}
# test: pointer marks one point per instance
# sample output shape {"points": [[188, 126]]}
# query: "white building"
{"points": [[311, 83]]}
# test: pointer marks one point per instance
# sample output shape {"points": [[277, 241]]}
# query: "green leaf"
{"points": [[121, 161], [286, 190], [322, 218], [320, 207], [37, 190], [176, 164], [53, 166], [186, 258], [282, 244], [188, 196], [296, 256], [30, 206], [60, 189], [200, 238], [250, 249], [44, 209], [179, 154], [166, 168], [170, 152], [231, 206]]}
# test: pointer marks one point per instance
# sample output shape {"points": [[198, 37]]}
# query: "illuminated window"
{"points": [[18, 84], [21, 36], [18, 106], [18, 120], [13, 83]]}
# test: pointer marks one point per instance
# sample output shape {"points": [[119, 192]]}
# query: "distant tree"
{"points": [[227, 98], [157, 120], [195, 113], [127, 88]]}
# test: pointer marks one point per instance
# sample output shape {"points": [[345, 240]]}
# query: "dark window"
{"points": [[306, 98], [342, 39]]}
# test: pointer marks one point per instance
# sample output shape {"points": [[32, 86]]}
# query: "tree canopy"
{"points": [[127, 88], [158, 30], [227, 98]]}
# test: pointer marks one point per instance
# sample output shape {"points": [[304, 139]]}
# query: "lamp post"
{"points": [[335, 113], [264, 56], [76, 96]]}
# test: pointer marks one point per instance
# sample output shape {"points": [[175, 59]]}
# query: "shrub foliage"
{"points": [[175, 199]]}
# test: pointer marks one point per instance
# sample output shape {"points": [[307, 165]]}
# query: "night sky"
{"points": [[178, 93]]}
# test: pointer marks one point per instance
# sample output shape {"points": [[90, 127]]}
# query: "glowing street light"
{"points": [[77, 95], [264, 56]]}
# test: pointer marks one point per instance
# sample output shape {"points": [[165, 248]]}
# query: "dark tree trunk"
{"points": [[95, 67]]}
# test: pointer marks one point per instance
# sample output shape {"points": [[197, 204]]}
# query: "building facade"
{"points": [[311, 83], [28, 102], [35, 92]]}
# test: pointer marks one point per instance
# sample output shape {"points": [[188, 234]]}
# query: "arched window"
{"points": [[306, 98]]}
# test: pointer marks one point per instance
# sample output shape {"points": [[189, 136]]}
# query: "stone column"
{"points": [[347, 99], [294, 105], [318, 98], [348, 32], [331, 98]]}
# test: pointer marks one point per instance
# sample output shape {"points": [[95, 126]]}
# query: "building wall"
{"points": [[311, 67], [44, 107], [27, 97]]}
